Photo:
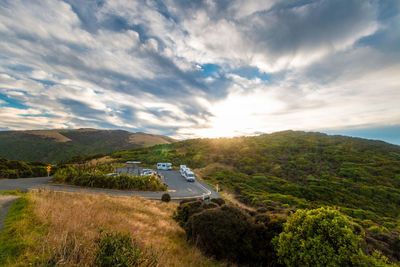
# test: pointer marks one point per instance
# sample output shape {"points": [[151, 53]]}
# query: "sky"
{"points": [[207, 68]]}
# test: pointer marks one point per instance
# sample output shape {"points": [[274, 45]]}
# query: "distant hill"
{"points": [[55, 145]]}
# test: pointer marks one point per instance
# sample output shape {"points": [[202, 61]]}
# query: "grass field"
{"points": [[55, 228]]}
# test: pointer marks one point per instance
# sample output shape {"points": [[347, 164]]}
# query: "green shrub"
{"points": [[229, 233], [223, 233], [187, 209], [166, 197], [209, 205], [18, 169], [119, 249], [71, 175], [65, 175], [378, 229], [320, 237]]}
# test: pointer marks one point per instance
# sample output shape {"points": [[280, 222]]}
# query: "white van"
{"points": [[182, 169], [164, 166], [189, 175]]}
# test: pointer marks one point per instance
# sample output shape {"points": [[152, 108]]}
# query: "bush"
{"points": [[320, 237], [262, 218], [218, 201], [119, 249], [166, 197], [187, 209], [209, 205], [223, 233], [229, 233], [73, 176]]}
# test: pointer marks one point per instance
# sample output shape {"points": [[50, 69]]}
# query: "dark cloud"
{"points": [[81, 109], [86, 11]]}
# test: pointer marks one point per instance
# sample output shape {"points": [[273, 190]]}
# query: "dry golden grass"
{"points": [[53, 134], [99, 161], [74, 220], [149, 139]]}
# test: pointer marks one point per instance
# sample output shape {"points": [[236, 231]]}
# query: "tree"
{"points": [[320, 237]]}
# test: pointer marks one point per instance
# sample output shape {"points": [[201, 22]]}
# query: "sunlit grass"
{"points": [[74, 220]]}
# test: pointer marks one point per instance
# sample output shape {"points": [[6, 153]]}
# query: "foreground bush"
{"points": [[229, 233], [119, 249], [70, 175], [320, 237], [166, 197], [187, 209], [222, 232]]}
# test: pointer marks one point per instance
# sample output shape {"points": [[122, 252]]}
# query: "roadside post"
{"points": [[217, 187], [48, 168]]}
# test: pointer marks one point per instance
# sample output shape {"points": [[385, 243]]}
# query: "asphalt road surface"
{"points": [[178, 187]]}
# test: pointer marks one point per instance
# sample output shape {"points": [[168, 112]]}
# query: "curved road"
{"points": [[178, 187]]}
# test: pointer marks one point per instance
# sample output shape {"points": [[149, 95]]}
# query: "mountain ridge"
{"points": [[56, 145]]}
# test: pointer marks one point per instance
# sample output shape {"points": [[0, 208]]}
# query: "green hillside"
{"points": [[283, 171], [56, 145], [298, 169]]}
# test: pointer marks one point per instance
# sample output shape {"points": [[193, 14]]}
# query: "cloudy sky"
{"points": [[202, 68]]}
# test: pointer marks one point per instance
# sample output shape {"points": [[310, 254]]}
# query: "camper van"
{"points": [[182, 169], [189, 175], [164, 166]]}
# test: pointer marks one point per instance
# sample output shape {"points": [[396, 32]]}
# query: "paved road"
{"points": [[23, 184], [5, 203], [178, 187]]}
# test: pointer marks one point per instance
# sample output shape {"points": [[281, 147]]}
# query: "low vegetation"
{"points": [[119, 249], [291, 170], [95, 230], [17, 169], [21, 231], [319, 237], [166, 197], [81, 177]]}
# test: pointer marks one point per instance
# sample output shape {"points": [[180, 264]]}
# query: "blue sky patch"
{"points": [[251, 73], [11, 102], [390, 134], [210, 70]]}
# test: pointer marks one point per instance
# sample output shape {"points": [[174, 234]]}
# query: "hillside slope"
{"points": [[55, 145], [284, 171], [295, 168]]}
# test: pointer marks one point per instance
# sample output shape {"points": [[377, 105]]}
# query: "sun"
{"points": [[240, 114]]}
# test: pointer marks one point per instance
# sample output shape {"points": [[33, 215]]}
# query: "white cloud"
{"points": [[137, 67]]}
